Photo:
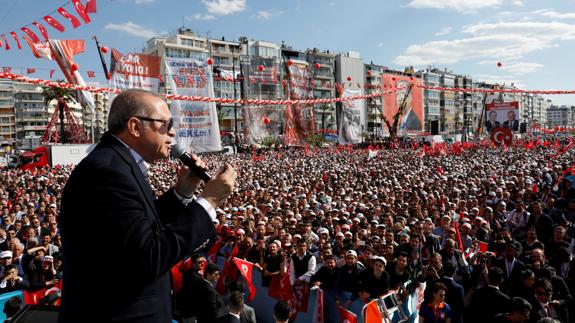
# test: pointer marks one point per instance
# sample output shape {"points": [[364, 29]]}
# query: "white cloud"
{"points": [[200, 16], [443, 31], [268, 14], [143, 1], [503, 40], [557, 15], [459, 5], [498, 79], [518, 3], [224, 7], [132, 29], [521, 68]]}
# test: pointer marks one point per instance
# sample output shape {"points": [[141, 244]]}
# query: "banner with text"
{"points": [[196, 123], [135, 71]]}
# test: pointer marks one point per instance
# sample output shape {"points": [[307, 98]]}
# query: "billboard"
{"points": [[504, 115], [261, 122], [351, 119], [196, 123], [137, 71], [412, 118], [299, 119]]}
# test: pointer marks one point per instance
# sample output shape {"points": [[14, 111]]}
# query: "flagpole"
{"points": [[102, 60]]}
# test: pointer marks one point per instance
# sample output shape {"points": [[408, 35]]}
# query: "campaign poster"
{"points": [[196, 123], [135, 71], [299, 119], [351, 119], [504, 115], [412, 117]]}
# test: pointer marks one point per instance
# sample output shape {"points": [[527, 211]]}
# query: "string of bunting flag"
{"points": [[382, 92], [31, 37]]}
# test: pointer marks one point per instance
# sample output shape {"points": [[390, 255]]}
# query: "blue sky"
{"points": [[532, 39]]}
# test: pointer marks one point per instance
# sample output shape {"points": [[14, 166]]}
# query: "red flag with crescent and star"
{"points": [[246, 268]]}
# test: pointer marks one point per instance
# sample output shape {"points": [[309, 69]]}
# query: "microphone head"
{"points": [[176, 151]]}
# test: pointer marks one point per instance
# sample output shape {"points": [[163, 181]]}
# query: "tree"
{"points": [[63, 96]]}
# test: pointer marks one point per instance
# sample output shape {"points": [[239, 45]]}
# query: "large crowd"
{"points": [[489, 230]]}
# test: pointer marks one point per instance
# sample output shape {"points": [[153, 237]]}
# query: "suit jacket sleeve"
{"points": [[149, 248]]}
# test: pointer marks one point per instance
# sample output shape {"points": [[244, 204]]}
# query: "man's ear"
{"points": [[134, 127]]}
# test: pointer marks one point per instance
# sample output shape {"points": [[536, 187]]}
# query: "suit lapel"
{"points": [[144, 186]]}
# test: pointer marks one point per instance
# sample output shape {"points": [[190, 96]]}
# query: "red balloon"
{"points": [[499, 64], [316, 66], [368, 73], [260, 68], [393, 79], [266, 121], [104, 49], [74, 67], [349, 78], [290, 62], [108, 76], [210, 61]]}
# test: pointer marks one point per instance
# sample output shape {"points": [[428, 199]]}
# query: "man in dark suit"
{"points": [[200, 298], [235, 305], [511, 123], [141, 235], [454, 295], [511, 267], [489, 301], [492, 122]]}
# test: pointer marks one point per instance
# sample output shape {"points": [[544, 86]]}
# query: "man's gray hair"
{"points": [[128, 104]]}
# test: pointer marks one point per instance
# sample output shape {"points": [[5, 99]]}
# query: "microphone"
{"points": [[180, 153]]}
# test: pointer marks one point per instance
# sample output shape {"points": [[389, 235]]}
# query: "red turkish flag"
{"points": [[42, 29], [246, 269], [178, 271], [6, 45], [280, 288], [81, 10], [91, 6], [52, 73], [13, 34], [318, 313], [75, 22], [346, 316], [30, 34], [229, 272], [91, 74], [54, 23], [30, 70], [302, 297], [32, 298]]}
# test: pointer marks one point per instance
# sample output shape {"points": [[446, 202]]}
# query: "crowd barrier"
{"points": [[392, 309]]}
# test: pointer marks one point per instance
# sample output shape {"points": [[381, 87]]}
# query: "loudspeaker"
{"points": [[522, 127], [36, 314], [434, 125]]}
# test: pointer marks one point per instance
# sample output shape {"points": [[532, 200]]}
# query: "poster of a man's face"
{"points": [[502, 115]]}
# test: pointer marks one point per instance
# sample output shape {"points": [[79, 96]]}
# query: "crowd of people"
{"points": [[489, 230]]}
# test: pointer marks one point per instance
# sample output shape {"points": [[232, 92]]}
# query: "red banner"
{"points": [[13, 34], [246, 269], [91, 6], [73, 20], [42, 29], [6, 45], [6, 69], [302, 296], [30, 34], [54, 23], [346, 316], [81, 10]]}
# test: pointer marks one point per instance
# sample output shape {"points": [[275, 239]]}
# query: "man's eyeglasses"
{"points": [[169, 124]]}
